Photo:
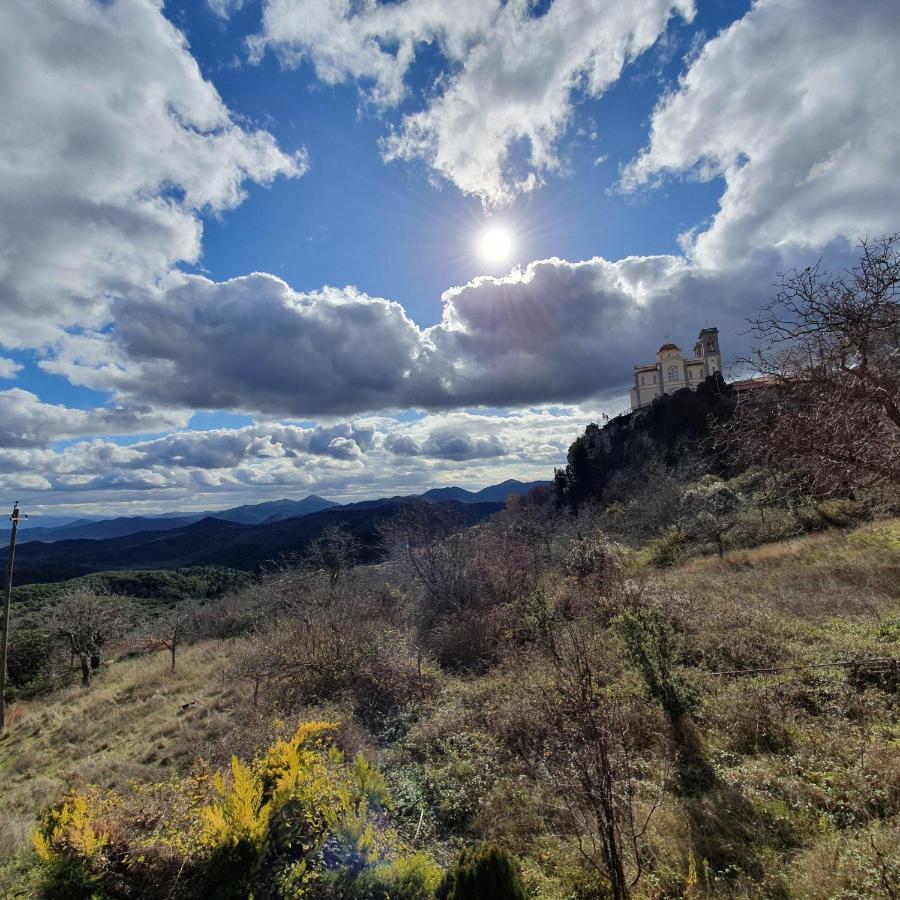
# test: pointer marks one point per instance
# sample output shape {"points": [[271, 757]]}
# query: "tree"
{"points": [[87, 622], [29, 656], [829, 348], [174, 626], [593, 766], [709, 511], [334, 551]]}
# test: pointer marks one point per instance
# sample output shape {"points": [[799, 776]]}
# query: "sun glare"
{"points": [[496, 244]]}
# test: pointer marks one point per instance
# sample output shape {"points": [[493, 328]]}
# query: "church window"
{"points": [[642, 379], [673, 373]]}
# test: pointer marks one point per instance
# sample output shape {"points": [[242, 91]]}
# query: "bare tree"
{"points": [[174, 626], [335, 551], [829, 346], [87, 622], [593, 767], [427, 540]]}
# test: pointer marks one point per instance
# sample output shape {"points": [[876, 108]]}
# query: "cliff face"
{"points": [[675, 429]]}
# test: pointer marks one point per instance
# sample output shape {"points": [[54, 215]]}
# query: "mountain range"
{"points": [[254, 513], [239, 538]]}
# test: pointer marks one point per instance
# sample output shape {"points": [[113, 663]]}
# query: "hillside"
{"points": [[674, 431], [790, 788], [151, 588], [215, 542]]}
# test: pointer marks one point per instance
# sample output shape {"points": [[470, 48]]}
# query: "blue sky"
{"points": [[240, 245], [382, 227]]}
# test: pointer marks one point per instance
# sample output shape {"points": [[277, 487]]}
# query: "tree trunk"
{"points": [[720, 546], [172, 651], [85, 671], [255, 689]]}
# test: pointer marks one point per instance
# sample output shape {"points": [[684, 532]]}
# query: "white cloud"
{"points": [[554, 332], [374, 43], [27, 422], [511, 77], [794, 107], [112, 144], [9, 368], [217, 468], [224, 8]]}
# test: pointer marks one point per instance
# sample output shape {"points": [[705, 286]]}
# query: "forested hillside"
{"points": [[215, 542]]}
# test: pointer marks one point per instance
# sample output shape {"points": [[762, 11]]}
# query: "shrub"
{"points": [[294, 822], [842, 513], [665, 551], [414, 876], [481, 872], [68, 842], [29, 658], [652, 647], [597, 558]]}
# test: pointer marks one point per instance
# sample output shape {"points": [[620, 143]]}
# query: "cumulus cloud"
{"points": [[253, 343], [446, 443], [555, 331], [511, 79], [209, 469], [794, 107], [112, 145], [25, 421], [374, 43]]}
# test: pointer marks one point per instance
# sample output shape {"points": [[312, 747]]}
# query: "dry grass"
{"points": [[805, 752], [831, 573], [139, 721]]}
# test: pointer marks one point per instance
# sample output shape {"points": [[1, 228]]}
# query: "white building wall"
{"points": [[673, 372]]}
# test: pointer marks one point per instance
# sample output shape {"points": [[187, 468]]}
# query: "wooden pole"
{"points": [[7, 599]]}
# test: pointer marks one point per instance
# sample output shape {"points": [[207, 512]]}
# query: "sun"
{"points": [[495, 244]]}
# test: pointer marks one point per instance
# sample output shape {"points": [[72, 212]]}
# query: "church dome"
{"points": [[668, 347]]}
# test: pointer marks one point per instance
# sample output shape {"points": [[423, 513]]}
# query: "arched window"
{"points": [[673, 373], [642, 379]]}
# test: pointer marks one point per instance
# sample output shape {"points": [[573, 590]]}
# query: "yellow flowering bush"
{"points": [[295, 822]]}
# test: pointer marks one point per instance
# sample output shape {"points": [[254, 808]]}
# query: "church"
{"points": [[672, 371]]}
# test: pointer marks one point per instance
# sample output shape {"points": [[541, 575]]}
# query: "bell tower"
{"points": [[708, 345]]}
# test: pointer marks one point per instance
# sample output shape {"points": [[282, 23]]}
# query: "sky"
{"points": [[264, 248]]}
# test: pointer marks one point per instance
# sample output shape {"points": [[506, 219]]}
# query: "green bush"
{"points": [[29, 657], [482, 872], [665, 551], [653, 649], [414, 876]]}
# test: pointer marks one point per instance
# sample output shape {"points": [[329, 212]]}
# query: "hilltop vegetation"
{"points": [[471, 678]]}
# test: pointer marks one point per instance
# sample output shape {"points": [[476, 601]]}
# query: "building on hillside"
{"points": [[672, 371]]}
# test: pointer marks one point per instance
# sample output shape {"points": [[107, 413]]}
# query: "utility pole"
{"points": [[7, 598]]}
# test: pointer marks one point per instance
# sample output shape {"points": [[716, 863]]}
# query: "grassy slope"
{"points": [[802, 746], [129, 726]]}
